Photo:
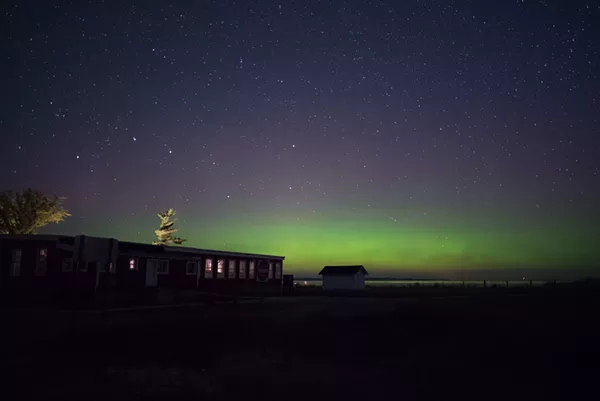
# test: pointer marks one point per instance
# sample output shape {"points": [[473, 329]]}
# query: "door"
{"points": [[151, 273], [199, 266]]}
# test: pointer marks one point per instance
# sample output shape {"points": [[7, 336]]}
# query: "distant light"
{"points": [[293, 146], [305, 283], [170, 151], [523, 278], [77, 156], [134, 139]]}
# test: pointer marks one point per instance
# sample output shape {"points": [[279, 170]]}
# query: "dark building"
{"points": [[343, 277], [58, 265], [288, 284]]}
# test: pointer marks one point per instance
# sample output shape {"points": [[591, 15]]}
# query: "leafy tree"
{"points": [[27, 211], [165, 232]]}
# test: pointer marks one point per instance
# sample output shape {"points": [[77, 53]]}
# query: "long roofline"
{"points": [[215, 252], [183, 249], [186, 249]]}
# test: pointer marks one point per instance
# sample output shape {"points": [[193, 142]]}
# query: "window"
{"points": [[242, 270], [16, 262], [108, 267], [251, 270], [220, 268], [112, 268], [133, 264], [89, 266], [163, 267], [41, 262], [270, 270], [208, 272], [277, 271], [231, 271], [191, 268], [67, 265]]}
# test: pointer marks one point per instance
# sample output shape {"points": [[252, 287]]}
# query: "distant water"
{"points": [[432, 283]]}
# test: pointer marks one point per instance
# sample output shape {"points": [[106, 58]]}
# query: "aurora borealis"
{"points": [[421, 139]]}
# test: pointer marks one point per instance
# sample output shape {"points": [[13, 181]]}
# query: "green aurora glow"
{"points": [[391, 248]]}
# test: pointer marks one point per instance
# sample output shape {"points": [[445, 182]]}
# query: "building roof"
{"points": [[184, 251], [38, 237], [140, 248], [343, 270]]}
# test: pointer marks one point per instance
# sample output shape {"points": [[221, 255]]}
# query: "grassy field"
{"points": [[538, 345]]}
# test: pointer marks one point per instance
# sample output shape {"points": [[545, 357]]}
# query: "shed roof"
{"points": [[343, 270]]}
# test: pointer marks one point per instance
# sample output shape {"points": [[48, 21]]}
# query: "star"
{"points": [[393, 147]]}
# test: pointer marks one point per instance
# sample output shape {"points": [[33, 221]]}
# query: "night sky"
{"points": [[454, 139]]}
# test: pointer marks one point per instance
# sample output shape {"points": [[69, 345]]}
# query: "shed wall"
{"points": [[353, 282]]}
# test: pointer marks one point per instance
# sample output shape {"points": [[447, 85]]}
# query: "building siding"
{"points": [[122, 278], [348, 282]]}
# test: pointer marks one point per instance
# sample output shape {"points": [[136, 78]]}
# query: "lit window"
{"points": [[67, 265], [133, 264], [242, 272], [208, 272], [220, 268], [251, 270], [191, 268], [41, 263], [277, 271], [231, 271], [163, 267], [16, 262], [270, 270]]}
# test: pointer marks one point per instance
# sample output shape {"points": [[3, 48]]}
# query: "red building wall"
{"points": [[122, 278], [54, 281]]}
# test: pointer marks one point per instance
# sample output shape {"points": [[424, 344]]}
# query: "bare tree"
{"points": [[165, 232], [27, 211]]}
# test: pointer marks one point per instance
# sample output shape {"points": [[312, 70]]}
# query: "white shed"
{"points": [[343, 277]]}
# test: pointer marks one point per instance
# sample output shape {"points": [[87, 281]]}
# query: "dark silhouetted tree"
{"points": [[165, 232], [27, 211]]}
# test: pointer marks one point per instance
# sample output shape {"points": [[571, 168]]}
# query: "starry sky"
{"points": [[455, 139]]}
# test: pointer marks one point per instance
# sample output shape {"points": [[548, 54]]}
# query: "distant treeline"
{"points": [[588, 280], [380, 279]]}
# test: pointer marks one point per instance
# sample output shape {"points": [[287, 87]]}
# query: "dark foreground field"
{"points": [[538, 346]]}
